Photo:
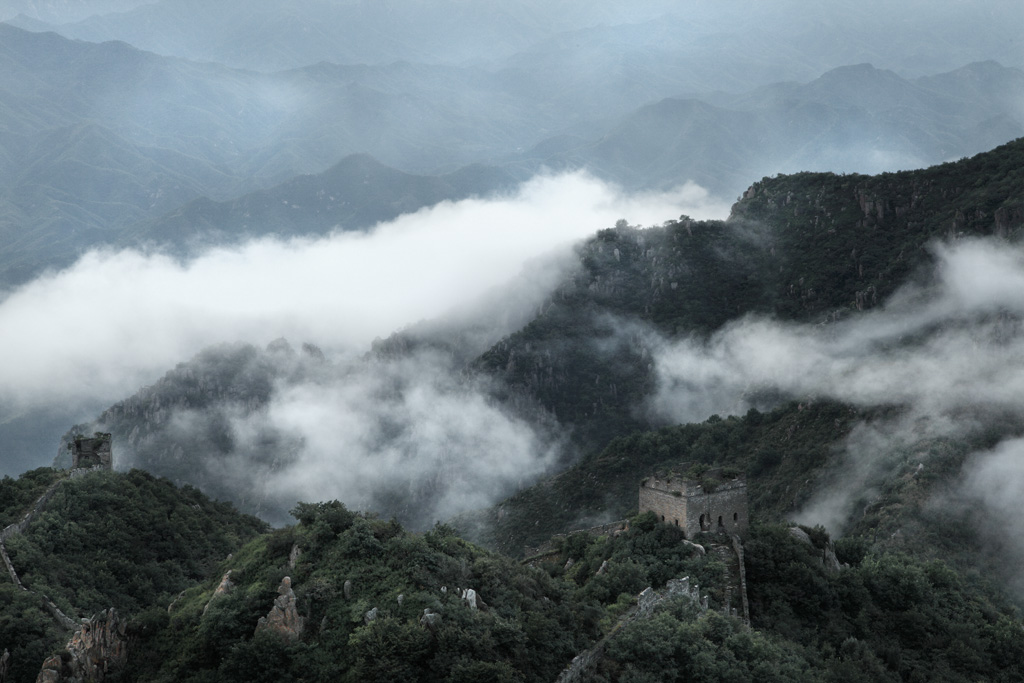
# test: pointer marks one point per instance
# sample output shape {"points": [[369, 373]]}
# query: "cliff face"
{"points": [[97, 649], [844, 242]]}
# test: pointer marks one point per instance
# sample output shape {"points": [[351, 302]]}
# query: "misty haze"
{"points": [[339, 336]]}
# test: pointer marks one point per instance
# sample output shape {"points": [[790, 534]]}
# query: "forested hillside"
{"points": [[806, 249], [123, 540], [346, 596]]}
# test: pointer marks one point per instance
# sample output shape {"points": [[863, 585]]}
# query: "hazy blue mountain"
{"points": [[99, 139], [61, 11], [734, 46], [269, 36], [95, 138], [855, 118], [356, 193]]}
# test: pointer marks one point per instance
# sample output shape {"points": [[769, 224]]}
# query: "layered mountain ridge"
{"points": [[138, 136], [807, 248]]}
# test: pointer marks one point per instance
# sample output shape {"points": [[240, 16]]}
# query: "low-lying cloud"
{"points": [[951, 357], [956, 348], [118, 319]]}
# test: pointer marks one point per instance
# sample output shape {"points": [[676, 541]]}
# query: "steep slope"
{"points": [[347, 596], [128, 541], [806, 247], [595, 361]]}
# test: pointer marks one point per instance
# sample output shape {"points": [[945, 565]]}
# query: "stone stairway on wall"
{"points": [[17, 528]]}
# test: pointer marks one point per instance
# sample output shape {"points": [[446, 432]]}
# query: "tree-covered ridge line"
{"points": [[379, 603], [846, 242], [809, 247], [375, 602], [106, 539], [17, 496]]}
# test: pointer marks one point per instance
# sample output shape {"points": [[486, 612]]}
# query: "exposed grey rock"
{"points": [[174, 602], [696, 546], [98, 648], [370, 616], [430, 620], [223, 588], [294, 556], [283, 617], [829, 559], [800, 535], [347, 589], [473, 599]]}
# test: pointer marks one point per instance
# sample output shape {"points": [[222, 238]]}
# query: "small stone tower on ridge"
{"points": [[91, 451], [686, 503]]}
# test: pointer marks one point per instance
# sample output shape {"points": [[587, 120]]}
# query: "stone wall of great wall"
{"points": [[668, 506], [696, 508], [584, 665], [17, 528]]}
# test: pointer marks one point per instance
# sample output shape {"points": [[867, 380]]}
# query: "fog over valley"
{"points": [[386, 309]]}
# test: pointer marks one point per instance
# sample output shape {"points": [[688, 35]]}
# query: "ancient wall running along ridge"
{"points": [[584, 665], [87, 454]]}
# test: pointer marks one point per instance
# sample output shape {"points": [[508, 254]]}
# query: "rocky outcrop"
{"points": [[473, 599], [826, 556], [283, 617], [222, 589], [97, 649], [430, 620]]}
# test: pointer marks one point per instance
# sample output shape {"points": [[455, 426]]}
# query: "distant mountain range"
{"points": [[851, 119], [147, 147], [356, 193]]}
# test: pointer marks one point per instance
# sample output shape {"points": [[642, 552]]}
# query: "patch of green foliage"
{"points": [[529, 628], [889, 617], [126, 541], [18, 495], [27, 631], [129, 541], [680, 644]]}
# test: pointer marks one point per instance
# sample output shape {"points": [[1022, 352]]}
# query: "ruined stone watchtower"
{"points": [[91, 451], [711, 507]]}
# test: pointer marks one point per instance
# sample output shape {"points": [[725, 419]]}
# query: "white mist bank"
{"points": [[118, 319]]}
